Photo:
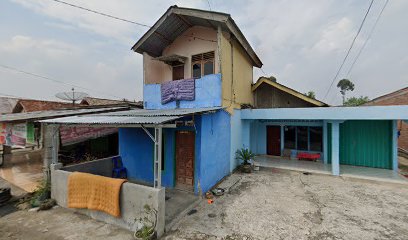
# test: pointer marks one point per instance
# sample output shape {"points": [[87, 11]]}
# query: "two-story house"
{"points": [[197, 60]]}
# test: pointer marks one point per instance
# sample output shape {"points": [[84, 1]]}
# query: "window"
{"points": [[302, 138], [202, 64], [316, 136], [178, 72], [290, 137]]}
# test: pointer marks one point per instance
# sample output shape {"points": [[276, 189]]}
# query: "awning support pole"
{"points": [[157, 156], [157, 159]]}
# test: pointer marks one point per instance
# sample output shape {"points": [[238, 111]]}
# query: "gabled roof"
{"points": [[7, 104], [394, 94], [175, 21], [264, 80], [29, 105]]}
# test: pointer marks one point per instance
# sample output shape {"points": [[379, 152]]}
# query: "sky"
{"points": [[301, 43]]}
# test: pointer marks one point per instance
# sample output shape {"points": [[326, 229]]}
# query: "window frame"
{"points": [[202, 63]]}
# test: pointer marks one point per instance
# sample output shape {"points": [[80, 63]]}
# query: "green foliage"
{"points": [[354, 101], [345, 85], [310, 94], [244, 154], [149, 225], [41, 193]]}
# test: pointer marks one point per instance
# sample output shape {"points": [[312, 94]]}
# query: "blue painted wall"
{"points": [[215, 148], [137, 149], [236, 137], [207, 94]]}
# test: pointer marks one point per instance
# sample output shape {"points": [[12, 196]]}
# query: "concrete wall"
{"points": [[267, 96], [101, 167], [133, 198], [207, 94], [159, 72], [237, 74], [215, 148]]}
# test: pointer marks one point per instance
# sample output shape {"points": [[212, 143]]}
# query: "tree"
{"points": [[345, 85], [310, 94], [354, 101]]}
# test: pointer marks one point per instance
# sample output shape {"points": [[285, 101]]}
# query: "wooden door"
{"points": [[185, 158], [273, 140]]}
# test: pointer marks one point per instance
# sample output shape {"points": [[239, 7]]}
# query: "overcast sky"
{"points": [[301, 43]]}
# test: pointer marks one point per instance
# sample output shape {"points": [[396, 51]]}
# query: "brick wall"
{"points": [[399, 97]]}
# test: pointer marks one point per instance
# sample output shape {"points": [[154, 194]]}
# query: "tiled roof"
{"points": [[28, 105], [91, 101]]}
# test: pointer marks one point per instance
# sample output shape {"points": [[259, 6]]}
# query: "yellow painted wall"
{"points": [[237, 74]]}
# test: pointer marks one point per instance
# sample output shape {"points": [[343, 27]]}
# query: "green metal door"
{"points": [[366, 143]]}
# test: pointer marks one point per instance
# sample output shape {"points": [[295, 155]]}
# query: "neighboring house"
{"points": [[270, 94], [399, 97], [92, 101], [30, 105], [7, 104]]}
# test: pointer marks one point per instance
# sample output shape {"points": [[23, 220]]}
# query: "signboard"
{"points": [[71, 135], [14, 135]]}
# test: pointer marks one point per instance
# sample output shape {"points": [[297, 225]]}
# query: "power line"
{"points": [[349, 50], [368, 38], [122, 19], [54, 80], [101, 13]]}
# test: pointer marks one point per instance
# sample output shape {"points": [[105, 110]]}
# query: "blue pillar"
{"points": [[282, 139], [246, 134], [335, 153], [325, 145], [394, 146]]}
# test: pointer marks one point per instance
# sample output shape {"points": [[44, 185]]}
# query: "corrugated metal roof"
{"points": [[137, 116], [111, 120], [160, 112], [53, 113]]}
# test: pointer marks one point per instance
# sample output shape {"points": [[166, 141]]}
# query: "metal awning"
{"points": [[130, 118]]}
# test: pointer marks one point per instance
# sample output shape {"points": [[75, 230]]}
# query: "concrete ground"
{"points": [[23, 169], [177, 202], [281, 204]]}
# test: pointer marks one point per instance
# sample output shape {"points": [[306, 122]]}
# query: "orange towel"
{"points": [[94, 192]]}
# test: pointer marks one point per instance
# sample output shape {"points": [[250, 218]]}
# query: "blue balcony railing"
{"points": [[208, 93]]}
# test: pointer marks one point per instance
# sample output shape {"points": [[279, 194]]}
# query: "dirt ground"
{"points": [[277, 204]]}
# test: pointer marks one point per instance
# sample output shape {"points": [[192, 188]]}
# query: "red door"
{"points": [[185, 158], [273, 140]]}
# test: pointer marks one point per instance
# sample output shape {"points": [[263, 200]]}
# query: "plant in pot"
{"points": [[147, 232], [245, 155]]}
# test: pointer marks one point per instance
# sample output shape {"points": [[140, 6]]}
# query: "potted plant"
{"points": [[147, 232], [245, 155]]}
